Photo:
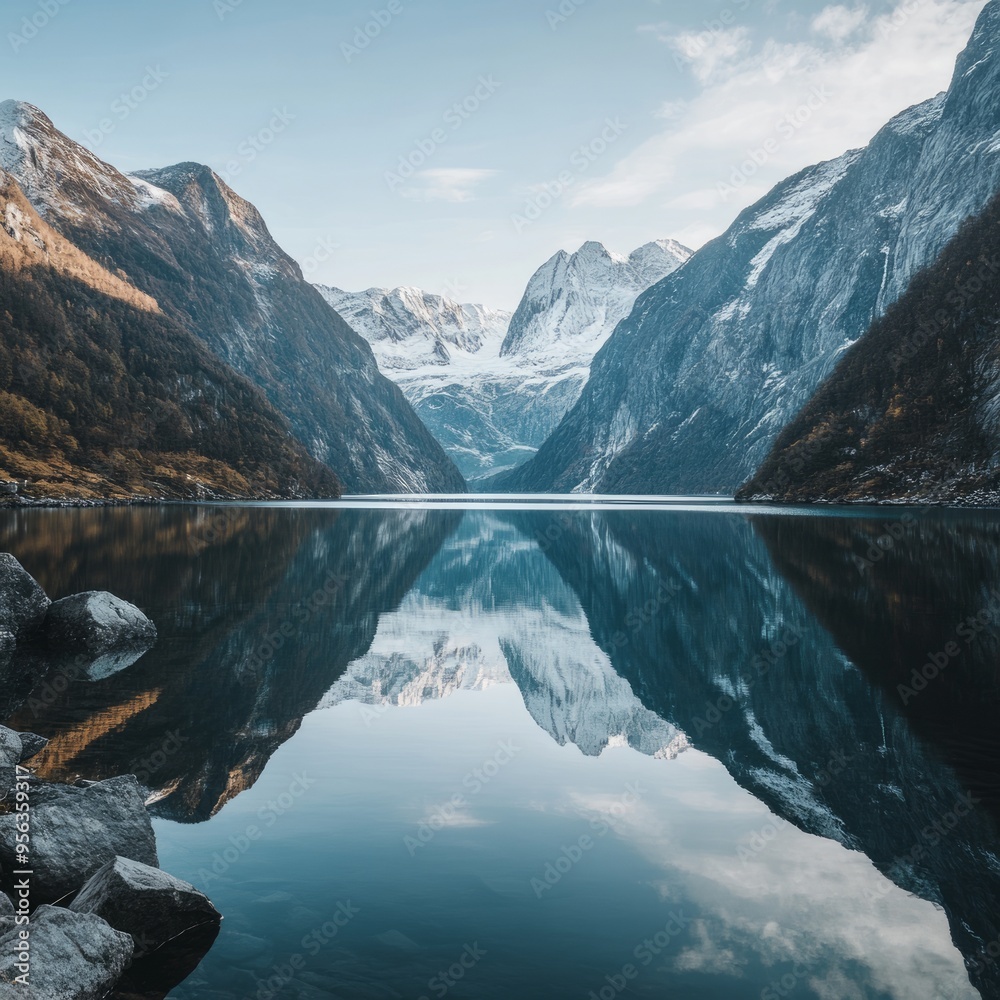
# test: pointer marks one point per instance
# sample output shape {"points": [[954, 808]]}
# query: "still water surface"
{"points": [[499, 753]]}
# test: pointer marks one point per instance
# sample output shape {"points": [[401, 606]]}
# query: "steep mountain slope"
{"points": [[184, 237], [911, 412], [103, 396], [491, 394], [692, 389]]}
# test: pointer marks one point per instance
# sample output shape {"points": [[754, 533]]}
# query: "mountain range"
{"points": [[182, 239], [695, 385], [492, 386]]}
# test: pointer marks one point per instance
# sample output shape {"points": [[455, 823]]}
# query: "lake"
{"points": [[494, 750]]}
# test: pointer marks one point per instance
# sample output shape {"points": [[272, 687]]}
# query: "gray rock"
{"points": [[150, 905], [10, 756], [32, 745], [11, 748], [75, 831], [97, 622], [74, 956], [6, 913], [22, 601]]}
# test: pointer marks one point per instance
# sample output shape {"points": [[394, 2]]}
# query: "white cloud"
{"points": [[451, 184], [709, 54], [857, 70], [838, 22]]}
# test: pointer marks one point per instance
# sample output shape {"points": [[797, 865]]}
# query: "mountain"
{"points": [[184, 238], [103, 396], [693, 388], [408, 328], [492, 387], [911, 412]]}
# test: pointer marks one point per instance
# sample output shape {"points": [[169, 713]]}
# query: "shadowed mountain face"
{"points": [[910, 413], [258, 610], [696, 616]]}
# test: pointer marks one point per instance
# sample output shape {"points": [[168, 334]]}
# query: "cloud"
{"points": [[709, 54], [451, 184], [809, 99], [838, 22]]}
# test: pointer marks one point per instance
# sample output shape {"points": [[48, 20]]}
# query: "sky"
{"points": [[455, 145]]}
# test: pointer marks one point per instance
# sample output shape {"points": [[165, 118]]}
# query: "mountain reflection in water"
{"points": [[800, 804]]}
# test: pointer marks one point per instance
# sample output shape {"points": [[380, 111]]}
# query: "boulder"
{"points": [[10, 757], [11, 747], [97, 623], [7, 913], [23, 603], [150, 905], [32, 745], [75, 831], [73, 956]]}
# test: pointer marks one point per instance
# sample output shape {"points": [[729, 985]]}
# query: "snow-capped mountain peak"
{"points": [[573, 302], [488, 397], [55, 173], [409, 329]]}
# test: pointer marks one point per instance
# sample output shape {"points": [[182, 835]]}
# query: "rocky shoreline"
{"points": [[85, 911]]}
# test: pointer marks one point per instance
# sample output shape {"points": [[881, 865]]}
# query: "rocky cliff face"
{"points": [[183, 237], [492, 387], [695, 385]]}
